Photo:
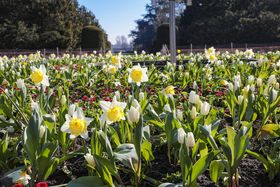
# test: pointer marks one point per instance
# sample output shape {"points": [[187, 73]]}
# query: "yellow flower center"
{"points": [[23, 174], [115, 114], [136, 75], [77, 126], [115, 60], [113, 70], [170, 90], [37, 76], [212, 57]]}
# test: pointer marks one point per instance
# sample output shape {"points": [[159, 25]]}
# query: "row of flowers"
{"points": [[110, 111]]}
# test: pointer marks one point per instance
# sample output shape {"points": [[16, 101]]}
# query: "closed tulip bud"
{"points": [[193, 112], [187, 75], [179, 114], [20, 83], [141, 96], [194, 85], [230, 86], [252, 88], [190, 141], [63, 100], [259, 82], [42, 131], [274, 95], [205, 108], [181, 135], [277, 85], [240, 99], [251, 79], [90, 160], [167, 108], [133, 115], [193, 97], [272, 80], [117, 95]]}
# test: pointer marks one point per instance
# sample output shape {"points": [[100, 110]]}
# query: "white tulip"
{"points": [[20, 83], [272, 80], [167, 108], [133, 115], [193, 112], [205, 108], [194, 85], [90, 160], [190, 141], [240, 99], [117, 95], [193, 97], [181, 135], [274, 95], [42, 131], [230, 86], [141, 96], [277, 85], [251, 79], [179, 114], [63, 100]]}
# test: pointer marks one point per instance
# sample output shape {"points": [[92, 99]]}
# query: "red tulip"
{"points": [[42, 184], [18, 185]]}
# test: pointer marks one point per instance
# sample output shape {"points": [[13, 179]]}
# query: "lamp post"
{"points": [[172, 27], [172, 31]]}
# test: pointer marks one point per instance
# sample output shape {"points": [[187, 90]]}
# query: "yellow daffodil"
{"points": [[112, 111], [137, 75], [169, 90], [116, 61], [38, 76], [76, 124]]}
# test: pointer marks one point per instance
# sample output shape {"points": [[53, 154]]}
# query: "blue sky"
{"points": [[117, 17]]}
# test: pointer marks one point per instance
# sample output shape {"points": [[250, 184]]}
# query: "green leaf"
{"points": [[31, 135], [270, 129], [87, 181], [201, 165], [216, 169], [126, 154], [147, 152]]}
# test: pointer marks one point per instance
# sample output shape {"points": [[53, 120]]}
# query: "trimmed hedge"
{"points": [[93, 38]]}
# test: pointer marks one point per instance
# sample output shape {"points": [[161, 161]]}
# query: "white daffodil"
{"points": [[39, 77], [116, 61], [112, 111], [112, 69], [19, 176], [249, 53], [76, 123], [137, 75]]}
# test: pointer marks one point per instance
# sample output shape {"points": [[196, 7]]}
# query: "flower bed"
{"points": [[212, 119]]}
